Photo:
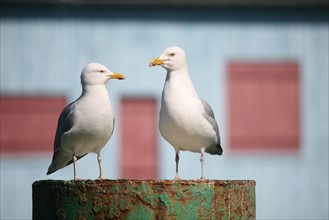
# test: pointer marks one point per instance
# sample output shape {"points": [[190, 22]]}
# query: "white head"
{"points": [[172, 58], [95, 73]]}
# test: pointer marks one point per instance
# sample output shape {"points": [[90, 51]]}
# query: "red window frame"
{"points": [[28, 123], [263, 106], [138, 138]]}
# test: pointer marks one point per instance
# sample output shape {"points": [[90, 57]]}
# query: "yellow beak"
{"points": [[117, 76], [155, 62]]}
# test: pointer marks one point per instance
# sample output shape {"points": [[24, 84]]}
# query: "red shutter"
{"points": [[263, 106], [28, 124], [138, 138]]}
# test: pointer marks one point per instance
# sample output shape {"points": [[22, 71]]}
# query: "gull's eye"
{"points": [[102, 71], [172, 54]]}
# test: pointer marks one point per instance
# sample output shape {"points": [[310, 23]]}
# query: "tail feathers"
{"points": [[220, 149], [215, 149], [50, 172], [61, 159]]}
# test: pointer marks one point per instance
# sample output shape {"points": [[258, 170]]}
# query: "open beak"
{"points": [[156, 62], [118, 76]]}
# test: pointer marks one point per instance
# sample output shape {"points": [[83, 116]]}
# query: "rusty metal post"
{"points": [[144, 199]]}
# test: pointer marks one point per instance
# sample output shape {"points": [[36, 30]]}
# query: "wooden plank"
{"points": [[248, 3]]}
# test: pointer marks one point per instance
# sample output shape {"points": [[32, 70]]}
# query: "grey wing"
{"points": [[209, 114], [65, 123], [113, 126]]}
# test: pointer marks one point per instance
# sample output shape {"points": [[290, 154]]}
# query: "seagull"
{"points": [[187, 122], [86, 124]]}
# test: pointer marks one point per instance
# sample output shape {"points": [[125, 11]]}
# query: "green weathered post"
{"points": [[144, 199]]}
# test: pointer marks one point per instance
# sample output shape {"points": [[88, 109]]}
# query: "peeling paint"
{"points": [[144, 199]]}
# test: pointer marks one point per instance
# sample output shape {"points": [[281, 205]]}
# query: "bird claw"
{"points": [[177, 178], [79, 179], [203, 178], [101, 178]]}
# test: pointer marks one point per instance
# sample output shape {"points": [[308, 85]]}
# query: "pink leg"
{"points": [[74, 167], [202, 165], [177, 161], [99, 158]]}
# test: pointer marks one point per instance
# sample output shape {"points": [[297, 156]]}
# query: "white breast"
{"points": [[182, 121]]}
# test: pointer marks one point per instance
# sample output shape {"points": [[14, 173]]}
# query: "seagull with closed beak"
{"points": [[86, 124], [186, 121]]}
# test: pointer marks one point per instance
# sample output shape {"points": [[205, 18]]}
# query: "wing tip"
{"points": [[215, 150], [220, 149], [50, 171]]}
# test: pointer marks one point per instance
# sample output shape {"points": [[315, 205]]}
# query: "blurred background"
{"points": [[261, 65]]}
